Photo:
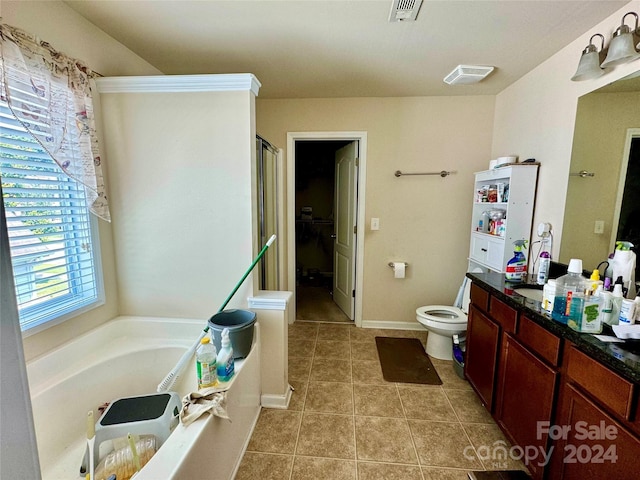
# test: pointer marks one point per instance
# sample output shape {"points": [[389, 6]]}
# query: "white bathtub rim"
{"points": [[79, 354], [182, 436]]}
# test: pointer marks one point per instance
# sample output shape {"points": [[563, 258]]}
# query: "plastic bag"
{"points": [[120, 461]]}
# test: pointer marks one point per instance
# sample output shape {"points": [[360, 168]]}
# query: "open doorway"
{"points": [[315, 210], [325, 251]]}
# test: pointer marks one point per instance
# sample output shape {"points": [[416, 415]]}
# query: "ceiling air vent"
{"points": [[467, 74], [404, 10]]}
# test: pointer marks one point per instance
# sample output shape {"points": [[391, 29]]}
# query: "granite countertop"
{"points": [[623, 358]]}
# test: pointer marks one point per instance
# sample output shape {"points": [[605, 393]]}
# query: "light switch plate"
{"points": [[375, 224], [599, 227]]}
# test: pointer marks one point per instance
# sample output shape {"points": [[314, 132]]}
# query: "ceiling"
{"points": [[347, 48]]}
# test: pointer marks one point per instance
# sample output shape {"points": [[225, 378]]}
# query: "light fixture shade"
{"points": [[589, 66], [621, 48]]}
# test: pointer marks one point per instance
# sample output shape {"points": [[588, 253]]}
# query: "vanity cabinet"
{"points": [[483, 337], [609, 451], [527, 387], [488, 320], [546, 393], [512, 190], [597, 415]]}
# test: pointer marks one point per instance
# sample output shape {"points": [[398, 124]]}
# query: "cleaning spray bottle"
{"points": [[517, 267], [624, 264], [225, 362], [544, 259]]}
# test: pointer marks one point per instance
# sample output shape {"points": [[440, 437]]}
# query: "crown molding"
{"points": [[180, 83]]}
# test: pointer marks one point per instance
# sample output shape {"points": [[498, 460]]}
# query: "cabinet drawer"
{"points": [[479, 297], [603, 384], [544, 343], [502, 313]]}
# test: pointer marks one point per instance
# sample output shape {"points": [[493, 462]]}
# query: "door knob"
{"points": [[333, 235]]}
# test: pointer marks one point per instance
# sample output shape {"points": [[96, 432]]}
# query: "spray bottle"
{"points": [[624, 264], [225, 362], [517, 267]]}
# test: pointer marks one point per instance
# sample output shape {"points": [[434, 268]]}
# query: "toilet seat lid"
{"points": [[442, 313]]}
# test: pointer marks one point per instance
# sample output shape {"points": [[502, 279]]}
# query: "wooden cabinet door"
{"points": [[482, 354], [578, 458], [526, 395]]}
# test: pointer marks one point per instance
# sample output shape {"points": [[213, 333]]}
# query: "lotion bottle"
{"points": [[616, 303]]}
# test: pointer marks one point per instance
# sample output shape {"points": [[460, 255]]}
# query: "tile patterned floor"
{"points": [[346, 422]]}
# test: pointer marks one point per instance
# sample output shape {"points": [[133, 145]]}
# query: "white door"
{"points": [[345, 229]]}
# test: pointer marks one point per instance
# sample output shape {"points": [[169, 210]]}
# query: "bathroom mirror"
{"points": [[606, 142]]}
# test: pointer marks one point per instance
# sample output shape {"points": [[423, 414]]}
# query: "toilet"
{"points": [[443, 322]]}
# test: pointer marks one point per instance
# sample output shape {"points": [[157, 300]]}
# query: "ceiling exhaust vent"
{"points": [[467, 74], [404, 10]]}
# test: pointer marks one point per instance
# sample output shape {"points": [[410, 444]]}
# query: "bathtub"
{"points": [[129, 356]]}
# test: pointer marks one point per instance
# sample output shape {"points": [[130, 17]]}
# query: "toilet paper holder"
{"points": [[391, 264]]}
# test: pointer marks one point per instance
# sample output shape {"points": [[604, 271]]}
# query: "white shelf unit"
{"points": [[492, 252]]}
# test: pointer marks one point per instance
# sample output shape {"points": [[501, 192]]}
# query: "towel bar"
{"points": [[442, 173]]}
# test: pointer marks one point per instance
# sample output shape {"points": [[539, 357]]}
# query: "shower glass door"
{"points": [[267, 168]]}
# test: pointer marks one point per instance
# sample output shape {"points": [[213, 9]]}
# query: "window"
{"points": [[51, 234]]}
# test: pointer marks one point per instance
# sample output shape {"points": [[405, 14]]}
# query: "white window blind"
{"points": [[53, 251]]}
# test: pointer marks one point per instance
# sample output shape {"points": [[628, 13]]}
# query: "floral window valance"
{"points": [[50, 95]]}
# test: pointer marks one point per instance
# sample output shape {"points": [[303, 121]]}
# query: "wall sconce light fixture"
{"points": [[589, 66], [621, 48]]}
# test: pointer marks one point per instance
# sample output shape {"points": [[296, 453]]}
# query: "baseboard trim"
{"points": [[386, 325], [277, 401], [246, 444]]}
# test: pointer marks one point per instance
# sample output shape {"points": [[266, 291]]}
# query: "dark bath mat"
{"points": [[404, 360]]}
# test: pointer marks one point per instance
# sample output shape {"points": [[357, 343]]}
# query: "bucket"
{"points": [[240, 325]]}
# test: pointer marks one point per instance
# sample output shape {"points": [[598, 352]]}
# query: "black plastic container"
{"points": [[240, 324]]}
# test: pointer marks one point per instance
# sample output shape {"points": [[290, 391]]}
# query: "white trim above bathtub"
{"points": [[180, 83], [384, 325], [269, 300]]}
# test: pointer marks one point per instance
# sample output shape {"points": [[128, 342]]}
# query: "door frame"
{"points": [[361, 138]]}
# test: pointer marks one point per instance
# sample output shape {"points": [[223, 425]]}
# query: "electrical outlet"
{"points": [[599, 227], [375, 224]]}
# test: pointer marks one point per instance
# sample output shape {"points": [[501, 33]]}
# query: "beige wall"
{"points": [[68, 32], [535, 117], [181, 174], [424, 221], [600, 136]]}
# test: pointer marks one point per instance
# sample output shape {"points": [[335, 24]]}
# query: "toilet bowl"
{"points": [[443, 322]]}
